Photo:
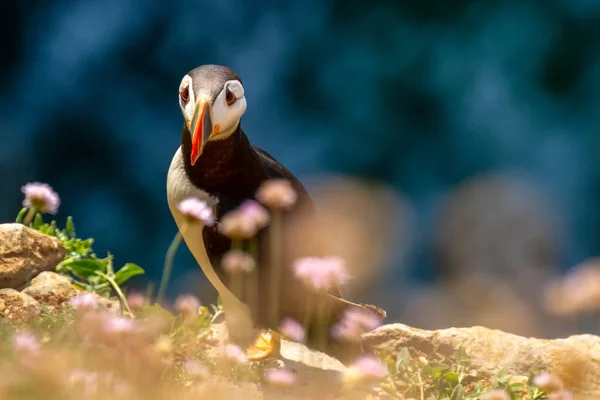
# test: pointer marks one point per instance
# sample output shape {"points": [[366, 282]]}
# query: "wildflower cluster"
{"points": [[88, 271], [85, 351], [322, 274]]}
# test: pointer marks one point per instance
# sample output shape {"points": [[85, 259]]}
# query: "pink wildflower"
{"points": [[119, 325], [293, 330], [354, 323], [25, 342], [366, 368], [237, 261], [256, 213], [323, 273], [236, 225], [235, 354], [197, 210], [41, 197], [277, 194], [136, 301], [550, 383], [281, 377], [195, 370], [84, 301], [188, 305]]}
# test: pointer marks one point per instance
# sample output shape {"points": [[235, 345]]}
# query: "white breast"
{"points": [[179, 187]]}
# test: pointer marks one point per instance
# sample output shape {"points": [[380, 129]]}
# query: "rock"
{"points": [[575, 359], [51, 289], [54, 290], [24, 253], [111, 305], [17, 307]]}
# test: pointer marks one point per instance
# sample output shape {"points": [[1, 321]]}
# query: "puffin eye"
{"points": [[185, 94], [230, 97]]}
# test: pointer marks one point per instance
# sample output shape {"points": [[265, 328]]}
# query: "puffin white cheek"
{"points": [[188, 113]]}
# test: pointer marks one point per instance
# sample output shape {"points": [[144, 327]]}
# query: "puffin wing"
{"points": [[273, 170]]}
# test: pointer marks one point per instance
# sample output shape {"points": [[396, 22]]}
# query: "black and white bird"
{"points": [[217, 163]]}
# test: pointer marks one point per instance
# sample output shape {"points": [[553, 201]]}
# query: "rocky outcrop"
{"points": [[51, 289], [54, 290], [17, 307], [24, 253], [576, 359]]}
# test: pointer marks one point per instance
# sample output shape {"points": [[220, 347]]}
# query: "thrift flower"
{"points": [[550, 383], [197, 210], [41, 197], [292, 329], [366, 368], [136, 301], [188, 305], [354, 323], [235, 354], [237, 261], [323, 273], [281, 377], [238, 226], [25, 342], [496, 394], [277, 194], [118, 325], [84, 301], [256, 213], [195, 370]]}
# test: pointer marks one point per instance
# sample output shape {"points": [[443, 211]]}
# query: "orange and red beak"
{"points": [[201, 127]]}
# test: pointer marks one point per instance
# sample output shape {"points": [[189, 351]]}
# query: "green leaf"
{"points": [[38, 221], [70, 227], [109, 265], [21, 215], [457, 393], [84, 268], [451, 378], [389, 388], [128, 271], [438, 368], [403, 358], [462, 357]]}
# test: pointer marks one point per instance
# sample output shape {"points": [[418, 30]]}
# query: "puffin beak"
{"points": [[201, 127]]}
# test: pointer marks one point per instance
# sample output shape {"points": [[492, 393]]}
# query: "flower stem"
{"points": [[237, 284], [118, 290], [323, 318], [252, 278], [29, 216], [275, 263], [169, 265]]}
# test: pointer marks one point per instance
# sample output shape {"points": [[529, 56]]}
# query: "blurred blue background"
{"points": [[417, 95]]}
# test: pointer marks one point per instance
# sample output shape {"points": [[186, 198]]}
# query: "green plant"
{"points": [[411, 375], [89, 272]]}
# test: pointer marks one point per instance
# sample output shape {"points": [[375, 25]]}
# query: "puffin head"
{"points": [[212, 102]]}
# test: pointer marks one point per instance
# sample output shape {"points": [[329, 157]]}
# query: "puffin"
{"points": [[217, 163]]}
